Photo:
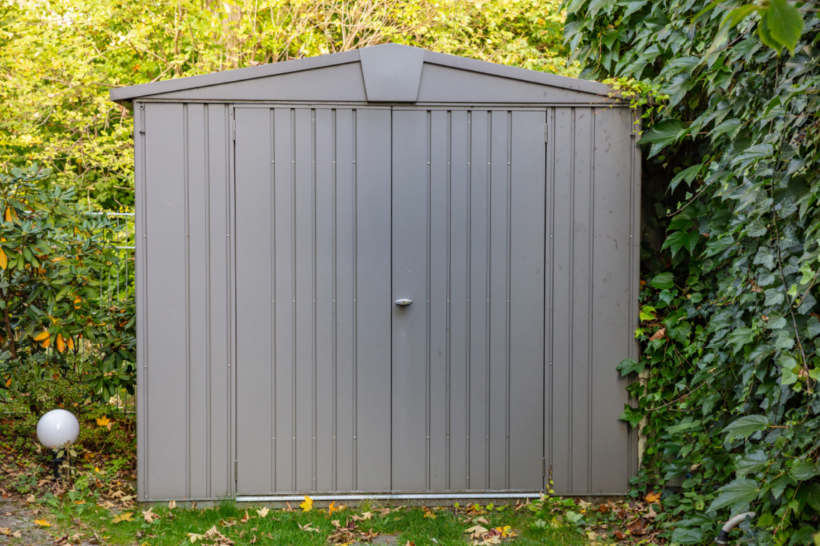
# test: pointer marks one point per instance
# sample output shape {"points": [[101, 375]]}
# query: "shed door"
{"points": [[340, 212]]}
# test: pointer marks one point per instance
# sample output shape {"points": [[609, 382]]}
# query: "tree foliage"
{"points": [[57, 317], [730, 332], [59, 58]]}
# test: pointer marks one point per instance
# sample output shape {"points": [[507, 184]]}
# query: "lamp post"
{"points": [[56, 430]]}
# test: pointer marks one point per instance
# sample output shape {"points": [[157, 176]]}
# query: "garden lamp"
{"points": [[57, 429]]}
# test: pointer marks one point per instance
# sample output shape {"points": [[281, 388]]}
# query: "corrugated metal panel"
{"points": [[467, 369], [184, 304], [592, 252], [521, 257], [313, 263]]}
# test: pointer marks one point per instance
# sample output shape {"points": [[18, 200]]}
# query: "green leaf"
{"points": [[688, 535], [784, 23], [663, 281], [803, 470], [811, 494], [737, 492], [686, 175], [631, 416], [736, 15], [745, 426], [663, 133], [628, 366], [749, 463], [788, 369], [765, 35], [740, 337]]}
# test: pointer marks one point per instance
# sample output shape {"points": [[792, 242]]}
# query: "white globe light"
{"points": [[57, 428]]}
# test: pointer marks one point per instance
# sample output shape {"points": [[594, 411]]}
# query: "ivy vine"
{"points": [[730, 331]]}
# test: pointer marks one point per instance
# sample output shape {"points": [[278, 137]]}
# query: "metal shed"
{"points": [[384, 272]]}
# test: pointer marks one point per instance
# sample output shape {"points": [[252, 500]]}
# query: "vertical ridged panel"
{"points": [[220, 306], [526, 307], [459, 308], [372, 298], [253, 295], [410, 397], [164, 278], [611, 289], [325, 285], [593, 293], [141, 292]]}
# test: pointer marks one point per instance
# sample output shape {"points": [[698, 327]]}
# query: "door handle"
{"points": [[403, 302]]}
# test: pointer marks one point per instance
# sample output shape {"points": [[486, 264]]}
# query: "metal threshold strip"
{"points": [[390, 496]]}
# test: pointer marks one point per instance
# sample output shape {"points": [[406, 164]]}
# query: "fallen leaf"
{"points": [[652, 497], [309, 528], [363, 517], [245, 518], [476, 531], [125, 516], [620, 535], [429, 513], [42, 523], [307, 504], [333, 508], [149, 515], [5, 531], [262, 512], [172, 504], [104, 421]]}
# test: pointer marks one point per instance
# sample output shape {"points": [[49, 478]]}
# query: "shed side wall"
{"points": [[183, 251], [591, 157]]}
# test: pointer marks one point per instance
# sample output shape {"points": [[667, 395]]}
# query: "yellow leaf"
{"points": [[103, 421], [4, 260], [429, 513], [125, 516], [333, 508], [8, 216], [41, 336], [97, 470], [45, 343], [71, 344], [652, 497], [262, 512], [307, 505], [60, 343], [42, 523]]}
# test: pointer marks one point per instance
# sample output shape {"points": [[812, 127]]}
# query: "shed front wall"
{"points": [[586, 267]]}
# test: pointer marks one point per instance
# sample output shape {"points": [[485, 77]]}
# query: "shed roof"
{"points": [[384, 73]]}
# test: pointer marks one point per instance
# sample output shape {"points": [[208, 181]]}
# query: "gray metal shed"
{"points": [[283, 213]]}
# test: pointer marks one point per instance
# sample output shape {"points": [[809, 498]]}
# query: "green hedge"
{"points": [[731, 254]]}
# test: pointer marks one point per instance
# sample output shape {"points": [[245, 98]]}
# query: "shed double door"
{"points": [[341, 213]]}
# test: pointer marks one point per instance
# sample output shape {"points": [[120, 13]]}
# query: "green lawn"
{"points": [[232, 523]]}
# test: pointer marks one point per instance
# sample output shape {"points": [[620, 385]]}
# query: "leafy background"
{"points": [[727, 395], [727, 391]]}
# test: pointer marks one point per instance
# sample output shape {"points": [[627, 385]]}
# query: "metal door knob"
{"points": [[403, 302]]}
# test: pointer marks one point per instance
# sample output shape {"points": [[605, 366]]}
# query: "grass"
{"points": [[243, 524]]}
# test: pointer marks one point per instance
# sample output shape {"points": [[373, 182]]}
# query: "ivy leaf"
{"points": [[736, 15], [804, 470], [631, 416], [663, 281], [687, 535], [745, 426], [737, 492], [628, 366], [784, 23], [663, 133], [787, 369], [740, 337], [686, 175], [751, 462]]}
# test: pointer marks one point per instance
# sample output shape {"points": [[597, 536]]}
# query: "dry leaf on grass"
{"points": [[149, 516], [308, 528], [212, 535], [262, 512], [42, 523], [364, 516], [125, 516]]}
